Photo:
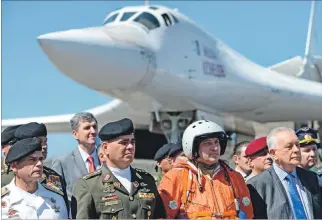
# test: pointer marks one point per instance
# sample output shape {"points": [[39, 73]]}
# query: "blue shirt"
{"points": [[304, 198]]}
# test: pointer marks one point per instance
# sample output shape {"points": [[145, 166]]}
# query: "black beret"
{"points": [[307, 136], [162, 152], [32, 129], [22, 149], [8, 134], [175, 149], [115, 129]]}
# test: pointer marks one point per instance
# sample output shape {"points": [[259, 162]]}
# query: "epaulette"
{"points": [[95, 173], [141, 171], [4, 191], [49, 171], [53, 189]]}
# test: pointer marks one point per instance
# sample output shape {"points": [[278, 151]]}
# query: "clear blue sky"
{"points": [[265, 32]]}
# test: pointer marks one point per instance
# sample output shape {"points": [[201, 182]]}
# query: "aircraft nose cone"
{"points": [[91, 57]]}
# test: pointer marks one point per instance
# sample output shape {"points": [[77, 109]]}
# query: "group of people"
{"points": [[270, 180]]}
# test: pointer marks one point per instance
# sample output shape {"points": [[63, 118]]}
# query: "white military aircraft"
{"points": [[165, 71]]}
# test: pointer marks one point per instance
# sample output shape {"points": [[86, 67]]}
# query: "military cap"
{"points": [[256, 146], [175, 148], [163, 152], [22, 149], [32, 129], [306, 136], [115, 129], [8, 134]]}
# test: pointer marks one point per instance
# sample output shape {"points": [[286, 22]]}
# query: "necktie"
{"points": [[298, 208], [91, 164]]}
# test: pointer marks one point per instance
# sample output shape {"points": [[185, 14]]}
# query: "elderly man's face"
{"points": [[120, 151], [209, 151], [86, 133], [287, 150], [308, 154], [29, 168]]}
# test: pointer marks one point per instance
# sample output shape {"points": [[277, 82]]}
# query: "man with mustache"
{"points": [[285, 191], [258, 156], [308, 142], [50, 177], [116, 190], [26, 196]]}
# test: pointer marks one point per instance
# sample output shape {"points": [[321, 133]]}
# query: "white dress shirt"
{"points": [[42, 204], [85, 156], [124, 176]]}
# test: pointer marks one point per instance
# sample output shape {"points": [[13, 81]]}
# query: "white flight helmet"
{"points": [[198, 131]]}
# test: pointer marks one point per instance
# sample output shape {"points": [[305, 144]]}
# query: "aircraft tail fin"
{"points": [[311, 70], [310, 67]]}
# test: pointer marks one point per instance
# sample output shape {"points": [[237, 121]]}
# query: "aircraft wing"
{"points": [[111, 111], [294, 66], [289, 67]]}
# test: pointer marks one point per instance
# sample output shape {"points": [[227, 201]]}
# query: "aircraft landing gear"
{"points": [[173, 124]]}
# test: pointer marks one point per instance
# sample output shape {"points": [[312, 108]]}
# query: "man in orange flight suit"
{"points": [[205, 186]]}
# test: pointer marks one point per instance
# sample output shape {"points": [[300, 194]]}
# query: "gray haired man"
{"points": [[83, 159]]}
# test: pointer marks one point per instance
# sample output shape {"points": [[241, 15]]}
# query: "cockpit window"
{"points": [[127, 15], [148, 20], [166, 19], [111, 19]]}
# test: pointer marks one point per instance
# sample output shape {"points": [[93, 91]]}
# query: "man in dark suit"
{"points": [[285, 191], [83, 159]]}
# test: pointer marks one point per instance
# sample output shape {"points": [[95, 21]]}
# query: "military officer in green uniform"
{"points": [[162, 161], [50, 177], [117, 190], [7, 139], [308, 140]]}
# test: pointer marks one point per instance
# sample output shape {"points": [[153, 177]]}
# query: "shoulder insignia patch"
{"points": [[95, 173], [53, 189], [4, 191]]}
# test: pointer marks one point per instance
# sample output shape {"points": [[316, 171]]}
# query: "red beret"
{"points": [[255, 146]]}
